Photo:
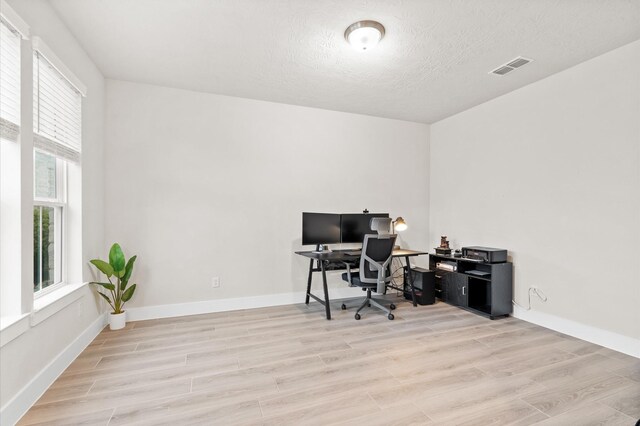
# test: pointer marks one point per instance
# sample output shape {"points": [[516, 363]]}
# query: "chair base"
{"points": [[375, 303]]}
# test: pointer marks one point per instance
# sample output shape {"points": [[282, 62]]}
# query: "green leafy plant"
{"points": [[120, 270]]}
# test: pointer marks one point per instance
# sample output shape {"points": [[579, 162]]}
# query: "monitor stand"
{"points": [[320, 248]]}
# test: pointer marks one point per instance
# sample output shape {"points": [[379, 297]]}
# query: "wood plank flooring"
{"points": [[435, 365]]}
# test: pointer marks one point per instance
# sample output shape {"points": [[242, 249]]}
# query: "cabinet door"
{"points": [[455, 288]]}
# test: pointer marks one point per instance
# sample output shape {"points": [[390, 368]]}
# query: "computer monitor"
{"points": [[320, 228], [353, 227]]}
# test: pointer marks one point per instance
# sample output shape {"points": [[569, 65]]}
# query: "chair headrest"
{"points": [[381, 225]]}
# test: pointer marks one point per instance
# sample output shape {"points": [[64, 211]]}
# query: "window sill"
{"points": [[12, 327], [49, 304], [43, 308]]}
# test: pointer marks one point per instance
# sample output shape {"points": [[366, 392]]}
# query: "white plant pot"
{"points": [[117, 321]]}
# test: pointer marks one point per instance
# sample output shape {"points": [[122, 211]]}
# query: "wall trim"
{"points": [[12, 327], [233, 304], [32, 391], [608, 339], [20, 404]]}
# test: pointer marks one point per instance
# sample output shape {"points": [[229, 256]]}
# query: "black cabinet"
{"points": [[483, 288], [455, 288]]}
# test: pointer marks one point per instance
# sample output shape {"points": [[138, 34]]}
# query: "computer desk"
{"points": [[333, 260]]}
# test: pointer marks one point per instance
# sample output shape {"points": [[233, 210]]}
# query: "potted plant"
{"points": [[117, 293]]}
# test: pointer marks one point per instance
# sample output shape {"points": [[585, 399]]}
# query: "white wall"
{"points": [[551, 172], [24, 358], [201, 185]]}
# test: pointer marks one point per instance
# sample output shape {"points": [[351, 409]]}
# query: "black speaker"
{"points": [[424, 282]]}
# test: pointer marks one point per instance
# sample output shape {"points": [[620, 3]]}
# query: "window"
{"points": [[57, 128], [9, 82], [48, 211]]}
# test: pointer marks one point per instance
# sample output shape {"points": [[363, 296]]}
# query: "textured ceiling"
{"points": [[432, 63]]}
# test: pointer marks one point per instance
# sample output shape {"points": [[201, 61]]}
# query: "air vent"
{"points": [[502, 70], [510, 66], [518, 62]]}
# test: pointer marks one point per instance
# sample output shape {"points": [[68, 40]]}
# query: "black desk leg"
{"points": [[306, 300], [327, 307], [410, 281]]}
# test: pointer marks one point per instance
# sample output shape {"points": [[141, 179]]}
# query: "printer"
{"points": [[485, 254]]}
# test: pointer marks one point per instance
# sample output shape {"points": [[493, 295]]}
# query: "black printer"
{"points": [[485, 254]]}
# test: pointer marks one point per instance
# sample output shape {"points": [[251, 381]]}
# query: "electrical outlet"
{"points": [[215, 282]]}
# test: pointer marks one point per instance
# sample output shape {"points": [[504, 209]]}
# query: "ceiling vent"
{"points": [[511, 66]]}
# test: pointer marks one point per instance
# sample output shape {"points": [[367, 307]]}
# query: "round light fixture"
{"points": [[364, 35]]}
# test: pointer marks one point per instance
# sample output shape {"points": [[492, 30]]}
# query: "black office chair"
{"points": [[375, 270]]}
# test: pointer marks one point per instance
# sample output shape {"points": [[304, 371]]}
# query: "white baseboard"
{"points": [[608, 339], [234, 304], [20, 404], [28, 395]]}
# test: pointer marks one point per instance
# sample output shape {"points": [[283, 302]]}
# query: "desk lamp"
{"points": [[399, 225]]}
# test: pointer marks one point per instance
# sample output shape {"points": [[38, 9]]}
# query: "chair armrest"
{"points": [[348, 273]]}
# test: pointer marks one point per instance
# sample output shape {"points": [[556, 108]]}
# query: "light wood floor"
{"points": [[289, 366]]}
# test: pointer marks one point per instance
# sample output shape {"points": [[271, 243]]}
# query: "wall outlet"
{"points": [[215, 282]]}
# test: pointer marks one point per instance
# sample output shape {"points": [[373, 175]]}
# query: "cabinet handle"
{"points": [[464, 290]]}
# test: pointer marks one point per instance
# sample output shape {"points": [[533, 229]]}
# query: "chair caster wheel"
{"points": [[344, 307], [390, 316], [369, 305], [392, 307], [357, 316]]}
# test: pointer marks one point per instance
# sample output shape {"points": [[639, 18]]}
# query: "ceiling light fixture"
{"points": [[364, 35]]}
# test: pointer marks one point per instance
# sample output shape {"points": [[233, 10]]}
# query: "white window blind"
{"points": [[9, 81], [57, 111]]}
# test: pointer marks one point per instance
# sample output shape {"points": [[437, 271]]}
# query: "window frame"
{"points": [[59, 205]]}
